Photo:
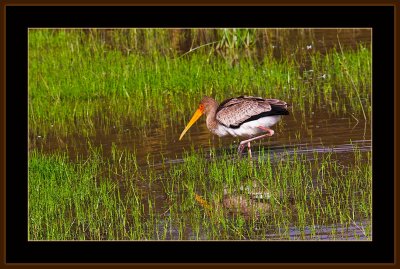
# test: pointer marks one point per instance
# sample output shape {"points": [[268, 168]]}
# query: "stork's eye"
{"points": [[201, 106]]}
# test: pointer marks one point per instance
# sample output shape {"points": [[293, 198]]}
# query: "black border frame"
{"points": [[20, 18]]}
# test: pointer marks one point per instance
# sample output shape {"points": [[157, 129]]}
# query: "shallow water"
{"points": [[321, 132]]}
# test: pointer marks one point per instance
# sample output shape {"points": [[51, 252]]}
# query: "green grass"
{"points": [[77, 81], [110, 199]]}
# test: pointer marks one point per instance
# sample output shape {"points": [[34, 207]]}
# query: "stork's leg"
{"points": [[249, 149], [242, 145], [269, 131]]}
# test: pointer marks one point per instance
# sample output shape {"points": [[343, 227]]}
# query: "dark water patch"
{"points": [[299, 41], [181, 41], [356, 231]]}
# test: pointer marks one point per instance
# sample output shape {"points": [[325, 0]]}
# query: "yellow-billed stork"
{"points": [[243, 116]]}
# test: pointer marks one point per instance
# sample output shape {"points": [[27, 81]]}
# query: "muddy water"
{"points": [[320, 132]]}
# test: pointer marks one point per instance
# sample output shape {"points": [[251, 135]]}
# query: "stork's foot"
{"points": [[241, 147]]}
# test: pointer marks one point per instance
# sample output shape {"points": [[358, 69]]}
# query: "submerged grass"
{"points": [[277, 196], [77, 80]]}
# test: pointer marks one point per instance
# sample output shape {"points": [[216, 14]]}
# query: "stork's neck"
{"points": [[210, 115]]}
